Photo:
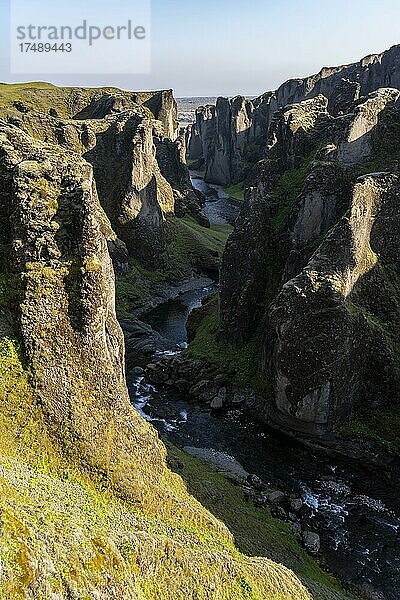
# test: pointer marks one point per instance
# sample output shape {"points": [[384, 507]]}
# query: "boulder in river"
{"points": [[312, 542]]}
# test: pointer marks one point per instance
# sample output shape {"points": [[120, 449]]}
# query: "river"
{"points": [[220, 208], [356, 515]]}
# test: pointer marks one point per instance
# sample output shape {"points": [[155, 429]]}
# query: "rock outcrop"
{"points": [[223, 140], [311, 270], [125, 136], [88, 103], [171, 158], [227, 139], [88, 506], [56, 237], [333, 326]]}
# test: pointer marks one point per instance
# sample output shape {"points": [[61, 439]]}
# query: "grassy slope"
{"points": [[239, 363], [256, 533], [68, 101], [191, 249], [65, 531], [236, 191]]}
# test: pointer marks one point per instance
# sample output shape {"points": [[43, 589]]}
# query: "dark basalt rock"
{"points": [[230, 137], [171, 158], [312, 542], [327, 311], [312, 266]]}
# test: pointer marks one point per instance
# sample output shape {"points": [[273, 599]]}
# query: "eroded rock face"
{"points": [[117, 133], [328, 353], [171, 158], [230, 137], [358, 143], [89, 103], [91, 508], [311, 270], [254, 258], [131, 188], [244, 269], [56, 236]]}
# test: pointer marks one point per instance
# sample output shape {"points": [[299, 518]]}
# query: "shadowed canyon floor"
{"points": [[232, 288]]}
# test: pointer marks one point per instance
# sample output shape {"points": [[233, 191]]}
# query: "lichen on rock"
{"points": [[88, 506]]}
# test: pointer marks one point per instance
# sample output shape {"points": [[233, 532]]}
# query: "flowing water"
{"points": [[355, 513], [220, 208], [170, 320]]}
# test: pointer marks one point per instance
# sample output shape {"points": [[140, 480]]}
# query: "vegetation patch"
{"points": [[287, 191], [237, 363], [192, 250], [381, 426], [236, 191], [255, 531], [386, 153]]}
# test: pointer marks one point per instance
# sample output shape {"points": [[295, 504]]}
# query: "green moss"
{"points": [[63, 529], [133, 288], [9, 352], [69, 102], [381, 426], [255, 531], [252, 152], [287, 192], [236, 191], [192, 247], [239, 363]]}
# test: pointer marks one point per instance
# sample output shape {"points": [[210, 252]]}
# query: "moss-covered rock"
{"points": [[89, 508], [230, 137], [127, 137], [340, 361], [307, 267]]}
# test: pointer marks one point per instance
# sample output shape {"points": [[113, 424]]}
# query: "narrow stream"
{"points": [[170, 320], [355, 513], [220, 208]]}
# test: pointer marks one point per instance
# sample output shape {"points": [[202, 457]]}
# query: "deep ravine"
{"points": [[354, 512], [220, 208]]}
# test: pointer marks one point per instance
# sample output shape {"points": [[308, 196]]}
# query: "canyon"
{"points": [[268, 233]]}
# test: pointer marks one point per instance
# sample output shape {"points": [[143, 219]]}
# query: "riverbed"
{"points": [[220, 208], [356, 515]]}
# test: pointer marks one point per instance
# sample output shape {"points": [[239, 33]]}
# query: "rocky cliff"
{"points": [[88, 103], [310, 274], [88, 506], [227, 139], [124, 135]]}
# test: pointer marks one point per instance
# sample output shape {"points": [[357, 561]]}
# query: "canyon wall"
{"points": [[88, 506], [228, 138], [124, 135], [311, 270]]}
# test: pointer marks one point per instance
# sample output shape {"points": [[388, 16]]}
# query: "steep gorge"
{"points": [[228, 138], [304, 333], [309, 277], [89, 508]]}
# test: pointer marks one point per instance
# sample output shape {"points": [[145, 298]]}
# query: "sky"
{"points": [[226, 47]]}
